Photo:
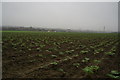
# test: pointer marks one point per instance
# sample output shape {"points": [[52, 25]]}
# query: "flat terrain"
{"points": [[60, 54]]}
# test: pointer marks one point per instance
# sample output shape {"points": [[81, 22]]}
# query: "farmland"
{"points": [[27, 54]]}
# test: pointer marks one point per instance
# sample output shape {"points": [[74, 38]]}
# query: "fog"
{"points": [[63, 15]]}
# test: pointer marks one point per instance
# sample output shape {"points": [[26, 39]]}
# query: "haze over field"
{"points": [[64, 15]]}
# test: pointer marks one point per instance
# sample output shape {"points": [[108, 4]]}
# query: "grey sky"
{"points": [[0, 15], [74, 15]]}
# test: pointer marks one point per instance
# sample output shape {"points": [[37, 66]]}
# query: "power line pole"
{"points": [[104, 29]]}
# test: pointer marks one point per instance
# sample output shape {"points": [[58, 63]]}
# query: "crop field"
{"points": [[27, 54]]}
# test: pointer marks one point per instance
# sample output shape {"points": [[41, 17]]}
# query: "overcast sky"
{"points": [[73, 15]]}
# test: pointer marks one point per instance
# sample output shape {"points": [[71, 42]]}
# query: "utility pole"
{"points": [[104, 29]]}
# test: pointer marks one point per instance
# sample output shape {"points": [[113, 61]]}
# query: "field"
{"points": [[28, 54]]}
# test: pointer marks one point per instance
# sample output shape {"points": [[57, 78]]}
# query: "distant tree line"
{"points": [[30, 29], [6, 28]]}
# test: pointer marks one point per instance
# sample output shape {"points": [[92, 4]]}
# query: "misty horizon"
{"points": [[62, 15]]}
